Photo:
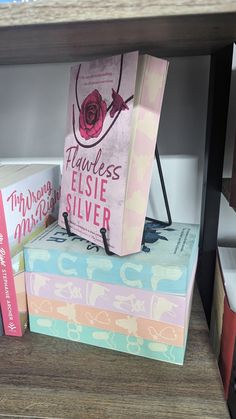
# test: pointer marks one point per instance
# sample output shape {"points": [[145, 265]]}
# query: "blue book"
{"points": [[164, 264]]}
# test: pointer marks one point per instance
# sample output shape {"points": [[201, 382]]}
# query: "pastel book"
{"points": [[113, 118], [227, 257], [73, 283], [29, 202]]}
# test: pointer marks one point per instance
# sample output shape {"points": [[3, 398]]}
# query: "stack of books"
{"points": [[138, 304], [135, 296]]}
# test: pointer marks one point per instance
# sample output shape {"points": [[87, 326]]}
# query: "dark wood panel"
{"points": [[165, 36], [218, 98], [44, 377]]}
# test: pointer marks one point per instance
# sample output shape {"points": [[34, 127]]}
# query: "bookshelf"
{"points": [[64, 31], [59, 31]]}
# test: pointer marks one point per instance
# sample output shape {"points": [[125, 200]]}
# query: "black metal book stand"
{"points": [[157, 222]]}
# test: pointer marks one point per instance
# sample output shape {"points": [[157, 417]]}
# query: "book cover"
{"points": [[29, 200], [113, 116], [76, 309], [165, 263]]}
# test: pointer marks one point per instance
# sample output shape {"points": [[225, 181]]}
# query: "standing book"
{"points": [[113, 118], [29, 200], [217, 309]]}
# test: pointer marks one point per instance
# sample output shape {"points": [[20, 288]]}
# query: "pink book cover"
{"points": [[113, 116], [29, 200]]}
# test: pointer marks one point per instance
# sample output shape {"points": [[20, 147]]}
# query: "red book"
{"points": [[227, 345], [227, 259]]}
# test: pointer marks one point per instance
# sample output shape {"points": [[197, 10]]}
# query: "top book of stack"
{"points": [[113, 118]]}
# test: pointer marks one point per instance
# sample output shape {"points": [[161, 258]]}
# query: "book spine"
{"points": [[227, 345], [10, 315], [96, 336], [217, 310], [149, 305], [146, 123]]}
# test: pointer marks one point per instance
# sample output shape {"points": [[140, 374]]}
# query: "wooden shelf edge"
{"points": [[60, 11], [162, 36]]}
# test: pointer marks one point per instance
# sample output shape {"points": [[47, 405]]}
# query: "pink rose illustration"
{"points": [[92, 114]]}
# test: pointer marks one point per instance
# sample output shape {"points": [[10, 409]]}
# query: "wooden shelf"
{"points": [[56, 31], [47, 377], [61, 11]]}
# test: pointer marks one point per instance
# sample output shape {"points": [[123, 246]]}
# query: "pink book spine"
{"points": [[147, 124], [11, 320]]}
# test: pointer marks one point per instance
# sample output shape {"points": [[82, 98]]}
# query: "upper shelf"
{"points": [[53, 31]]}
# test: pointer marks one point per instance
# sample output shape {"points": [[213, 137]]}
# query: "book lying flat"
{"points": [[145, 297], [163, 266], [113, 117], [29, 200]]}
